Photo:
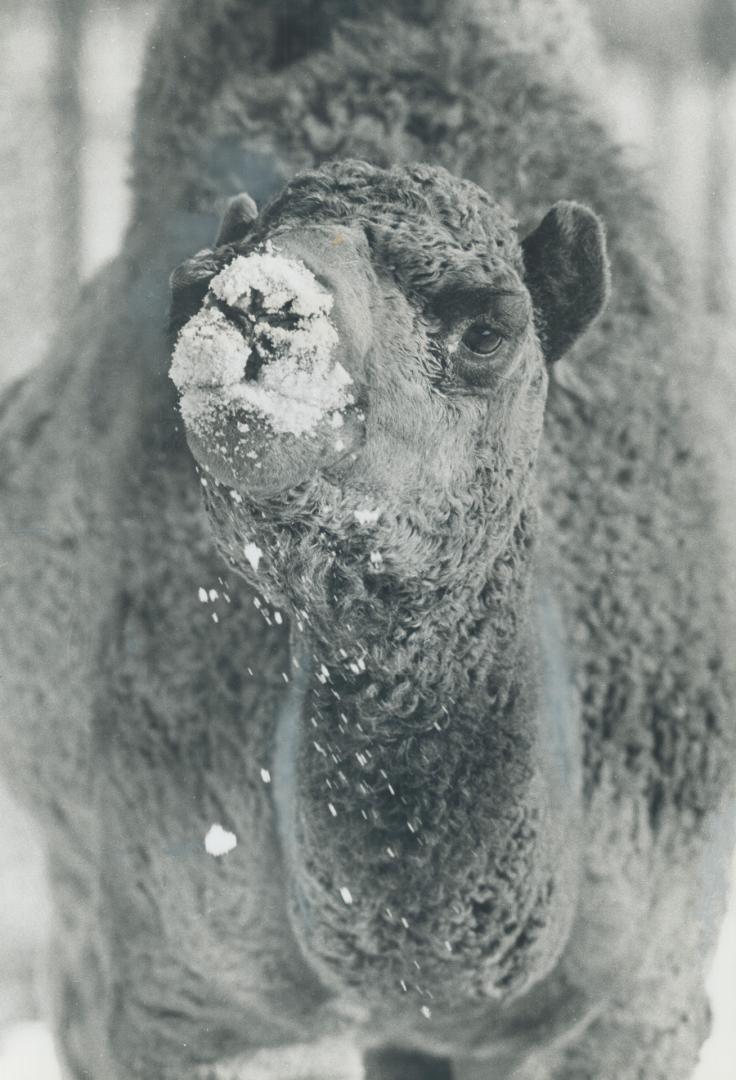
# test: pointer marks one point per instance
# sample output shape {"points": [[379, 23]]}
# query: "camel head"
{"points": [[372, 350]]}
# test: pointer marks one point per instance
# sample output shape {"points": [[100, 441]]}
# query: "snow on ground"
{"points": [[27, 1053]]}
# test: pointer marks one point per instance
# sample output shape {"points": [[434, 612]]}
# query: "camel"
{"points": [[366, 664]]}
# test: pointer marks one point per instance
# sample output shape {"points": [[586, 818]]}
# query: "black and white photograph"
{"points": [[368, 540]]}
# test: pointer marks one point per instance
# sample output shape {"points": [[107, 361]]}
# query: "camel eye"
{"points": [[481, 339]]}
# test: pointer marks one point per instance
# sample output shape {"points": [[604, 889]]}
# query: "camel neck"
{"points": [[420, 661], [399, 759]]}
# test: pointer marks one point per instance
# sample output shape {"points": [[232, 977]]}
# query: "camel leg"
{"points": [[623, 1045], [496, 1070], [388, 1063], [75, 987], [628, 1047]]}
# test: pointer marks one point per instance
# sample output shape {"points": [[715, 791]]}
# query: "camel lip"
{"points": [[268, 411], [256, 485], [241, 450]]}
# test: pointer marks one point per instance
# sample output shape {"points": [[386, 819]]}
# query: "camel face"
{"points": [[384, 346], [303, 354]]}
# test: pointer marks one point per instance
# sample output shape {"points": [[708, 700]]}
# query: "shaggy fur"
{"points": [[398, 740], [578, 914]]}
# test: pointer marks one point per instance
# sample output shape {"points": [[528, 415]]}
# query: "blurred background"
{"points": [[68, 72]]}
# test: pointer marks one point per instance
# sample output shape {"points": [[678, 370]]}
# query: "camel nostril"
{"points": [[253, 365], [263, 328], [259, 355]]}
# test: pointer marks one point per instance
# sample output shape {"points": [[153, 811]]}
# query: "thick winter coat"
{"points": [[492, 836]]}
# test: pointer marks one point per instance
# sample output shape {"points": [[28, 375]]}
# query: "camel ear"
{"points": [[240, 214], [567, 274]]}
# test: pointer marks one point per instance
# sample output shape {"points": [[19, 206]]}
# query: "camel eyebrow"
{"points": [[455, 301]]}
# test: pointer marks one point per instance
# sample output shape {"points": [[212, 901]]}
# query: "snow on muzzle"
{"points": [[256, 368]]}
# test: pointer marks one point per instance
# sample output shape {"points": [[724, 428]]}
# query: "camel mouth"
{"points": [[260, 382], [271, 449]]}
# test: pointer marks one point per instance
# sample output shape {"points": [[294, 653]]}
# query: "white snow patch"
{"points": [[253, 554], [210, 351], [219, 841], [293, 394], [367, 517], [27, 1052], [278, 279], [299, 383]]}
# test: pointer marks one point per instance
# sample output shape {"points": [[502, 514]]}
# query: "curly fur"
{"points": [[132, 721]]}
